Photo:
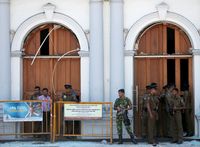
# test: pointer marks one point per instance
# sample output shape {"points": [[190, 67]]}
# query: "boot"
{"points": [[120, 139], [132, 139]]}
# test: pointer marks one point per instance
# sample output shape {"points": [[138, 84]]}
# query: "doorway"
{"points": [[162, 57], [53, 40]]}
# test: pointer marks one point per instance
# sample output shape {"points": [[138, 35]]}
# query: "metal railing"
{"points": [[54, 124], [27, 128], [83, 128]]}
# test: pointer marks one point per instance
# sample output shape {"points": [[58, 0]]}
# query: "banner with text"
{"points": [[22, 111], [82, 111]]}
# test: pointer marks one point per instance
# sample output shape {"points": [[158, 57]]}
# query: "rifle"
{"points": [[124, 113]]}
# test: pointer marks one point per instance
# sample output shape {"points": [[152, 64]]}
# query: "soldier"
{"points": [[188, 111], [143, 104], [177, 104], [69, 95], [164, 111], [168, 99], [122, 105], [152, 108]]}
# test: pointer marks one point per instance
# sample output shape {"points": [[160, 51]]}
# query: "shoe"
{"points": [[132, 139], [154, 144], [179, 142], [120, 139], [189, 134], [174, 141]]}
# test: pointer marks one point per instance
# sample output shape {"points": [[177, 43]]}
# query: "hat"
{"points": [[154, 85], [68, 86]]}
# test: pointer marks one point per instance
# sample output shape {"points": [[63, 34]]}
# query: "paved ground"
{"points": [[92, 144]]}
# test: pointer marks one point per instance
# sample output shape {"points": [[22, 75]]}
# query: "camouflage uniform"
{"points": [[152, 102], [122, 103], [177, 131]]}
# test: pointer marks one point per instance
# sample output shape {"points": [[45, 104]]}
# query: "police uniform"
{"points": [[143, 104], [177, 131], [71, 97], [168, 99], [123, 103], [188, 112], [152, 102]]}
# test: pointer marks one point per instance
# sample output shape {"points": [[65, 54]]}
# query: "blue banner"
{"points": [[22, 111]]}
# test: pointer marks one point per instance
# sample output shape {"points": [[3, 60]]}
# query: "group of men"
{"points": [[68, 95], [165, 109], [164, 112]]}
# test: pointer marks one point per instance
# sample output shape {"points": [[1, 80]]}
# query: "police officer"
{"points": [[69, 95], [143, 104], [152, 108], [168, 99], [177, 104], [188, 111], [164, 112], [122, 105]]}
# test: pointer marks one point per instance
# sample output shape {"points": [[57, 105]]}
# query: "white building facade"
{"points": [[107, 32]]}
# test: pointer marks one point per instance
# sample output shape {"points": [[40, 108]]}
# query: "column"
{"points": [[84, 76], [196, 85], [116, 48], [5, 49], [96, 88]]}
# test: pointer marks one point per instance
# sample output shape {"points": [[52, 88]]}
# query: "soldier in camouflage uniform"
{"points": [[177, 104], [152, 107], [143, 104], [122, 105], [70, 96]]}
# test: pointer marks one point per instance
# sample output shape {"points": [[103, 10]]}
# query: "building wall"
{"points": [[78, 10], [135, 9], [23, 9]]}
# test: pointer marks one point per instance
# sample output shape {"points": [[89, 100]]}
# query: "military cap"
{"points": [[68, 86], [154, 85]]}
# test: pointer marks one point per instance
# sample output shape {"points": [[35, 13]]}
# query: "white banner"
{"points": [[82, 111]]}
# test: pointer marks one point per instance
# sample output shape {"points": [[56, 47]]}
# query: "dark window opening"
{"points": [[171, 71], [45, 47], [184, 73], [170, 41]]}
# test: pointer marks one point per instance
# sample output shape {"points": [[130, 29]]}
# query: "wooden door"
{"points": [[67, 70], [46, 67], [163, 51]]}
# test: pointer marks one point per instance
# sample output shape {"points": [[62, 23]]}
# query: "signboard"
{"points": [[22, 111], [82, 111]]}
